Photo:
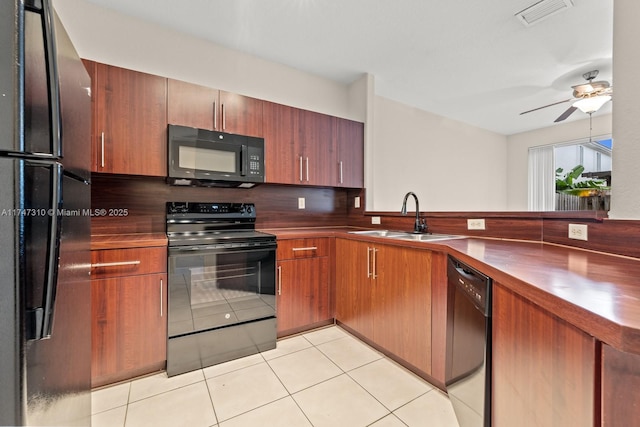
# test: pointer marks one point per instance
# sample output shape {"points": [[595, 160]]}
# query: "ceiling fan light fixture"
{"points": [[591, 104]]}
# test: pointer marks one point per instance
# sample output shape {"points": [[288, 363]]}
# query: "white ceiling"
{"points": [[472, 61]]}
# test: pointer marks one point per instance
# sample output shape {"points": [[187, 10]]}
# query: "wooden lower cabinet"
{"points": [[544, 369], [129, 327], [303, 279], [383, 293], [620, 388]]}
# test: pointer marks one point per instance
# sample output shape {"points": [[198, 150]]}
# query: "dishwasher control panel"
{"points": [[472, 283]]}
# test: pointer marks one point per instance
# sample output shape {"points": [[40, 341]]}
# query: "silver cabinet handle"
{"points": [[224, 117], [309, 248], [368, 262], [279, 280], [375, 262], [102, 149], [300, 168], [215, 116], [307, 160], [341, 180], [161, 298], [114, 264]]}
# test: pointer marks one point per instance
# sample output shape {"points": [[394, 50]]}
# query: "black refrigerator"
{"points": [[45, 151]]}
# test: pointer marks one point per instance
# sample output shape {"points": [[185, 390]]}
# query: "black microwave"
{"points": [[200, 157]]}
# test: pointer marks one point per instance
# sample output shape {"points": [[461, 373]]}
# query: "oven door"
{"points": [[213, 287]]}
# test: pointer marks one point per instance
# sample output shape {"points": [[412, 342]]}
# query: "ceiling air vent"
{"points": [[541, 10]]}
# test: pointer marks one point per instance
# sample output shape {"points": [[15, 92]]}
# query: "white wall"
{"points": [[518, 151], [450, 165], [625, 199]]}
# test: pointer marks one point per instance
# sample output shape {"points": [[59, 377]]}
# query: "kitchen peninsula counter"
{"points": [[598, 293]]}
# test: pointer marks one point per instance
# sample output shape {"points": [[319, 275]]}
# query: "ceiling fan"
{"points": [[588, 97]]}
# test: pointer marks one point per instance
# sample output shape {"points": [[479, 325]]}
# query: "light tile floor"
{"points": [[321, 378]]}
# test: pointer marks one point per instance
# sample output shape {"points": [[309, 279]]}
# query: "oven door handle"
{"points": [[221, 248]]}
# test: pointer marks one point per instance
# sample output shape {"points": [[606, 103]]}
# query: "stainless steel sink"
{"points": [[429, 237], [380, 233], [404, 235]]}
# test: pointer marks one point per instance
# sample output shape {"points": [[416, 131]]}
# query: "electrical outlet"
{"points": [[356, 203], [578, 231], [375, 220], [300, 202], [475, 224]]}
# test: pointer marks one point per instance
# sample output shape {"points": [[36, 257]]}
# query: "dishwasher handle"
{"points": [[472, 283]]}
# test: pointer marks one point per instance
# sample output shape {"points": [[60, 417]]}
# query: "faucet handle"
{"points": [[421, 225]]}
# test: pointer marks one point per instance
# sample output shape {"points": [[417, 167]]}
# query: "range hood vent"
{"points": [[542, 10]]}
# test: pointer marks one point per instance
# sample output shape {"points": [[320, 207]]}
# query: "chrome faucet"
{"points": [[420, 226]]}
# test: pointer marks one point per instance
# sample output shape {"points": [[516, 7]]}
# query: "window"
{"points": [[594, 155]]}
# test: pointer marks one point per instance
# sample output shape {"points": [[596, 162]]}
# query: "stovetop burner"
{"points": [[218, 224]]}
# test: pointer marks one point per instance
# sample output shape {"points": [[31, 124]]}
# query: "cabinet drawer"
{"points": [[303, 248], [128, 262]]}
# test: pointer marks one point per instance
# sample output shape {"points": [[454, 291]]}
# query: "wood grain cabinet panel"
{"points": [[308, 148], [128, 328], [620, 388], [543, 367], [191, 104], [316, 149], [383, 293], [212, 109], [303, 280], [130, 121], [280, 140], [349, 141]]}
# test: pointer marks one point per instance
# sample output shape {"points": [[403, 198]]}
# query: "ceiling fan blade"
{"points": [[550, 105], [566, 114]]}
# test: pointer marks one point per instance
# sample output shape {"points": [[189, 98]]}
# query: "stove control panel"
{"points": [[212, 209]]}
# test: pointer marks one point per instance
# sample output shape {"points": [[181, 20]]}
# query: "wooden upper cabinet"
{"points": [[130, 127], [206, 108], [191, 105], [315, 149], [299, 146], [280, 139], [349, 140], [240, 114]]}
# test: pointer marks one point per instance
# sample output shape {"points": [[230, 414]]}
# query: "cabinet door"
{"points": [[191, 105], [280, 127], [316, 148], [402, 303], [240, 114], [349, 140], [131, 122], [303, 293], [129, 330], [354, 287], [543, 367], [620, 387]]}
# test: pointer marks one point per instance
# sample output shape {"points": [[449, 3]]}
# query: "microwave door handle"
{"points": [[244, 160], [54, 83]]}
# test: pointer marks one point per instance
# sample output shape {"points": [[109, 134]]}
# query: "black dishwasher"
{"points": [[468, 362]]}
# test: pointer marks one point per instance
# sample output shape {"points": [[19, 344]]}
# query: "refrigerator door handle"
{"points": [[42, 317], [54, 81]]}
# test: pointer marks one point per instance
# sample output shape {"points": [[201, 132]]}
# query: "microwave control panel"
{"points": [[255, 162]]}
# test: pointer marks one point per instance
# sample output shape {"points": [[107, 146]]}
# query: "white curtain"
{"points": [[542, 179]]}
